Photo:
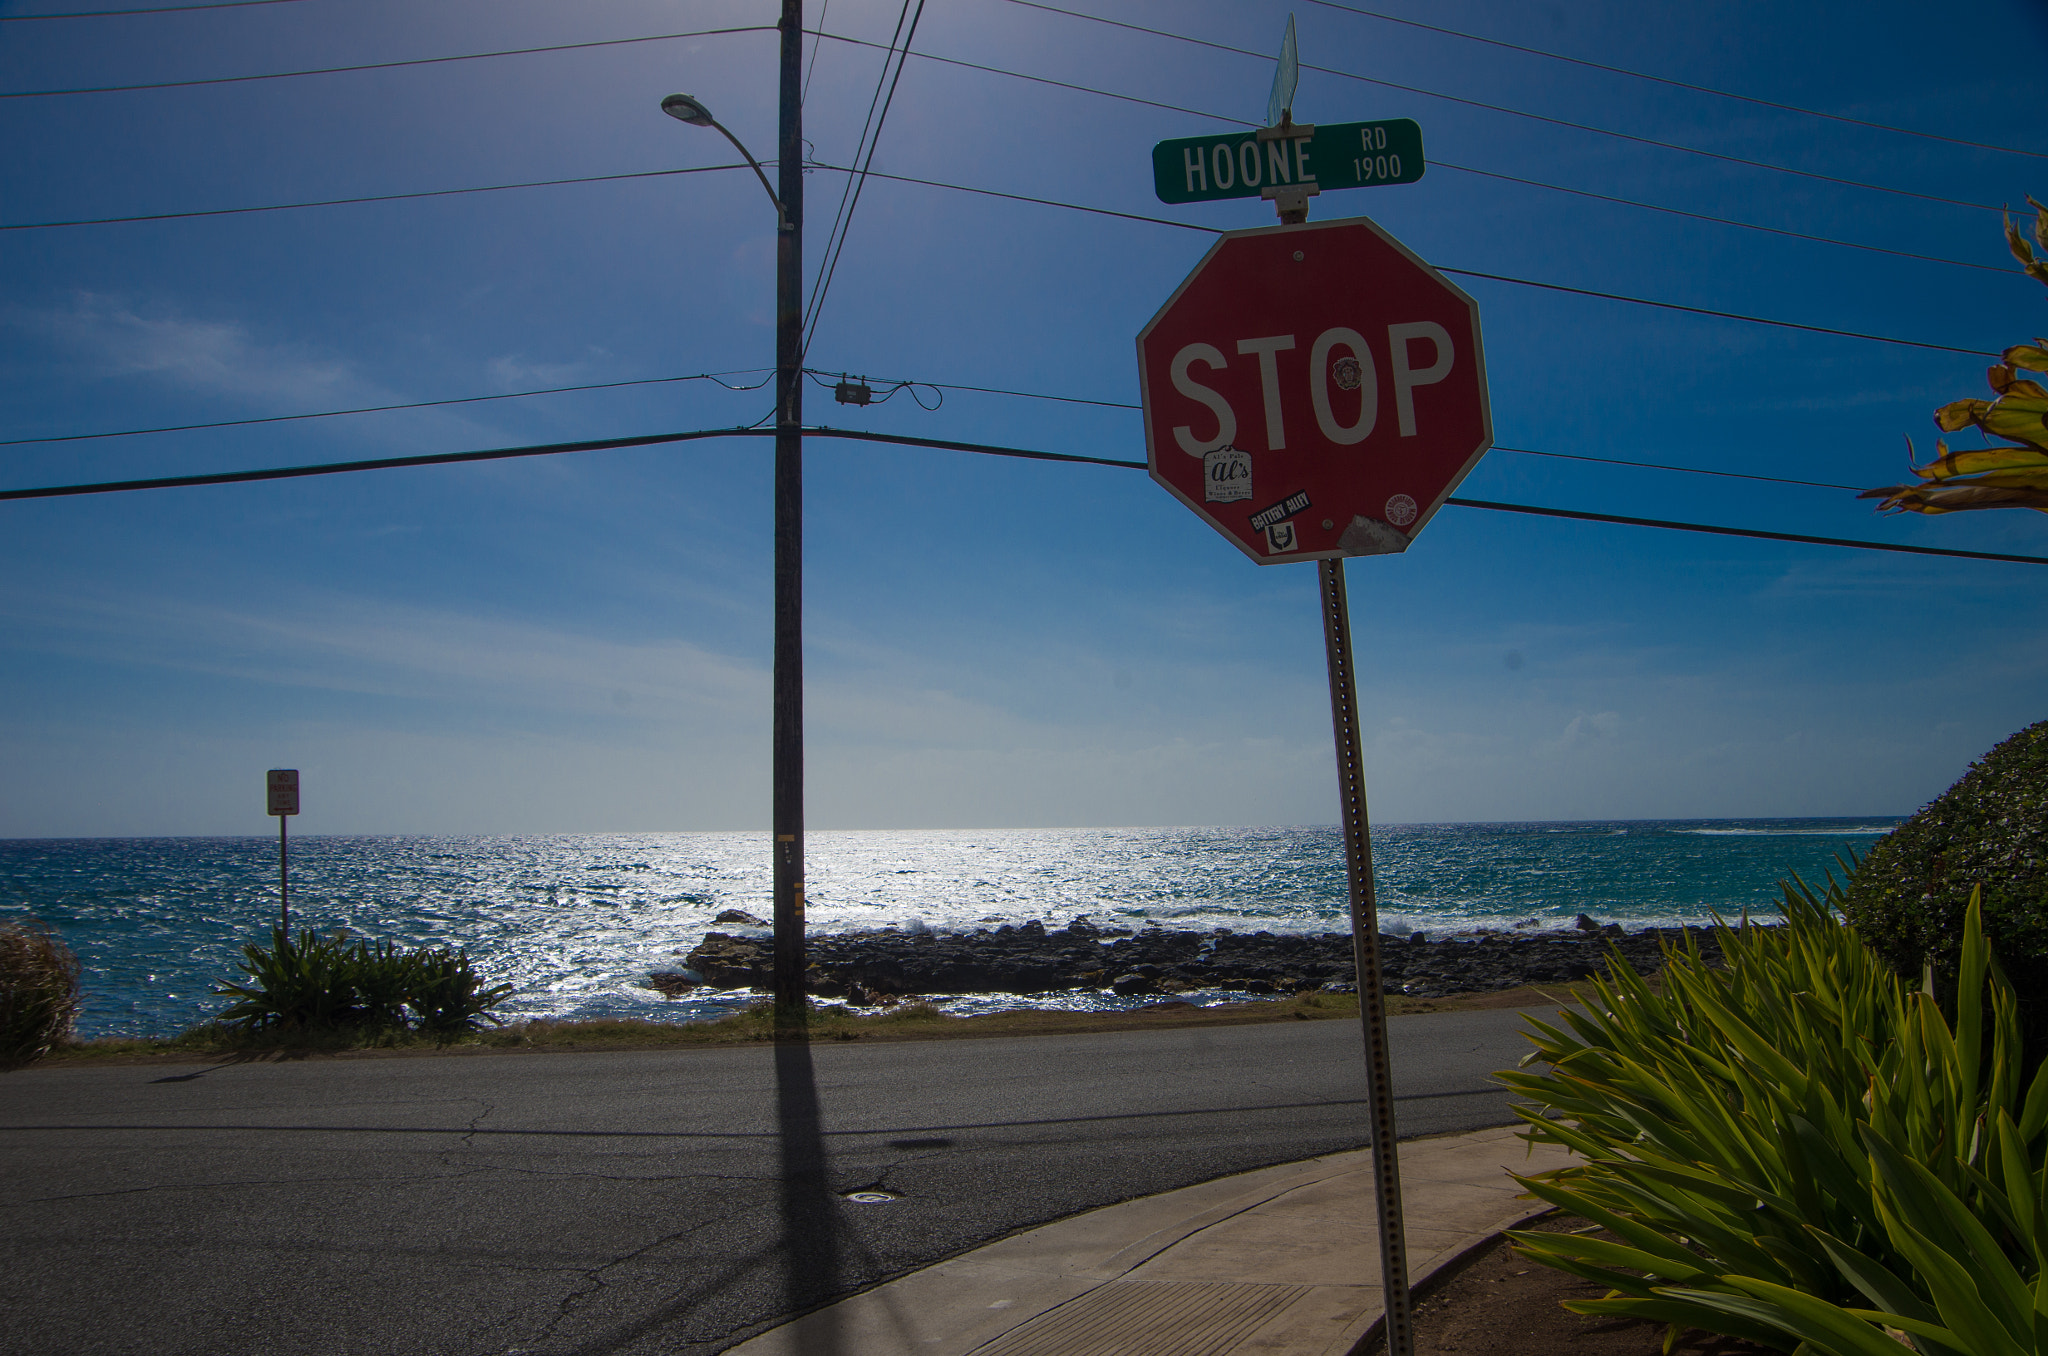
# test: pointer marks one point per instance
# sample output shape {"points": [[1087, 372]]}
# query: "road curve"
{"points": [[636, 1202]]}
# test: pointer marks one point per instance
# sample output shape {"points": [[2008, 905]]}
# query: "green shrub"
{"points": [[314, 986], [1798, 1147], [450, 997], [1988, 832], [38, 992]]}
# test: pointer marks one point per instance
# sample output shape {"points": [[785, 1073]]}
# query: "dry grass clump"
{"points": [[38, 992]]}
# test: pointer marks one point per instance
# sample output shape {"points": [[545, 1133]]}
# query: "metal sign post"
{"points": [[282, 784], [1365, 949], [1312, 392]]}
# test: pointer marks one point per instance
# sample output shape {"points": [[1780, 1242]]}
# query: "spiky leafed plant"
{"points": [[2011, 476], [38, 992]]}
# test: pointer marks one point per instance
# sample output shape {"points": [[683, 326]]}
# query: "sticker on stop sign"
{"points": [[1314, 391]]}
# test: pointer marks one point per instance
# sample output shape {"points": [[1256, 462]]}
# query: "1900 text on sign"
{"points": [[1314, 391]]}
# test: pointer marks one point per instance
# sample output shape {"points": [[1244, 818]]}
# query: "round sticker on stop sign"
{"points": [[1314, 391]]}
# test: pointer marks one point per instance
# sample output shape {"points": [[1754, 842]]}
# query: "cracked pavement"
{"points": [[676, 1202]]}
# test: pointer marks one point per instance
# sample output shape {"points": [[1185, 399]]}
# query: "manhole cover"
{"points": [[869, 1197]]}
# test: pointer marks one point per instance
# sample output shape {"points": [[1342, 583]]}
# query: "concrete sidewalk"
{"points": [[1283, 1261]]}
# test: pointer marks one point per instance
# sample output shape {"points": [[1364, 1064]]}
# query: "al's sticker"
{"points": [[1226, 475]]}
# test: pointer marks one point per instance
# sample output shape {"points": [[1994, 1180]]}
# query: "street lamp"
{"points": [[687, 108], [788, 757]]}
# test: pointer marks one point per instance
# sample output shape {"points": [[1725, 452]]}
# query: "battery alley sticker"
{"points": [[1286, 508], [1226, 475]]}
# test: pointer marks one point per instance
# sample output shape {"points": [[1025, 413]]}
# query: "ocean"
{"points": [[578, 921]]}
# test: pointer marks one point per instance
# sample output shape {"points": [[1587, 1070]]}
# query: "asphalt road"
{"points": [[673, 1202]]}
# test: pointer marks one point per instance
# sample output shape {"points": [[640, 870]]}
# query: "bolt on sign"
{"points": [[1323, 156], [1314, 391]]}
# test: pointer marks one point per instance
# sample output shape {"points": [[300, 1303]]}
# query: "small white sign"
{"points": [[1226, 475], [283, 786]]}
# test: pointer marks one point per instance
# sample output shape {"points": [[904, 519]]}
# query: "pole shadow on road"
{"points": [[810, 1212]]}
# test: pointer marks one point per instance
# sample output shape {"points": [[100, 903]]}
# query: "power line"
{"points": [[1678, 84], [368, 197], [1722, 315], [804, 96], [372, 464], [1443, 268], [380, 409], [849, 198], [1512, 112], [1521, 451], [1722, 221], [1441, 164], [895, 382], [123, 13], [1688, 470], [1027, 395], [994, 70], [1585, 517], [379, 65], [944, 444]]}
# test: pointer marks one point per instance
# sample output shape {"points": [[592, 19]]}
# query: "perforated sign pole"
{"points": [[1365, 951], [282, 786]]}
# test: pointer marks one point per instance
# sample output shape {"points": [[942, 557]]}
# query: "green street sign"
{"points": [[1239, 165]]}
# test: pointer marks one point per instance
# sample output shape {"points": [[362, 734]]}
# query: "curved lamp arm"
{"points": [[684, 108]]}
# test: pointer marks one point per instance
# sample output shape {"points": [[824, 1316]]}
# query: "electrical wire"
{"points": [[1676, 84], [409, 405], [995, 70], [1688, 470], [1445, 268], [804, 95], [1721, 315], [379, 65], [843, 223], [1443, 164], [1585, 517], [1522, 451], [945, 444], [1513, 112], [1724, 221], [823, 380], [157, 9], [859, 145], [369, 197]]}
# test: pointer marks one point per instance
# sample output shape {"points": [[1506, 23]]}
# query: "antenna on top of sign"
{"points": [[282, 787], [1286, 77], [1285, 140], [1287, 162]]}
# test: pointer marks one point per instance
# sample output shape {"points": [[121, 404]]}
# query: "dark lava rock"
{"points": [[741, 917], [1030, 958], [670, 984]]}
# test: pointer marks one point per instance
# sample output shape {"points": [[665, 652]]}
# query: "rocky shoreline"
{"points": [[1029, 958]]}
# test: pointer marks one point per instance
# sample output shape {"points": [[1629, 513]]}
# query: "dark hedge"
{"points": [[1990, 829]]}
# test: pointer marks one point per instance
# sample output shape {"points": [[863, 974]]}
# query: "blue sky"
{"points": [[582, 642]]}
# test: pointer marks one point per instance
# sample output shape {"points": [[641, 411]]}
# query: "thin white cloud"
{"points": [[207, 356]]}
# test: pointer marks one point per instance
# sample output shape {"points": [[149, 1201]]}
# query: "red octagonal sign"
{"points": [[1314, 391]]}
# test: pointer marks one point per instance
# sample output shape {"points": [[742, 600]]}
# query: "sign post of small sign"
{"points": [[281, 786]]}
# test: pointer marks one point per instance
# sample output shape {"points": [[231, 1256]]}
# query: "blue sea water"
{"points": [[577, 922]]}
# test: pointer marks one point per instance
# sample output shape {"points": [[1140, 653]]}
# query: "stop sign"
{"points": [[1314, 390]]}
